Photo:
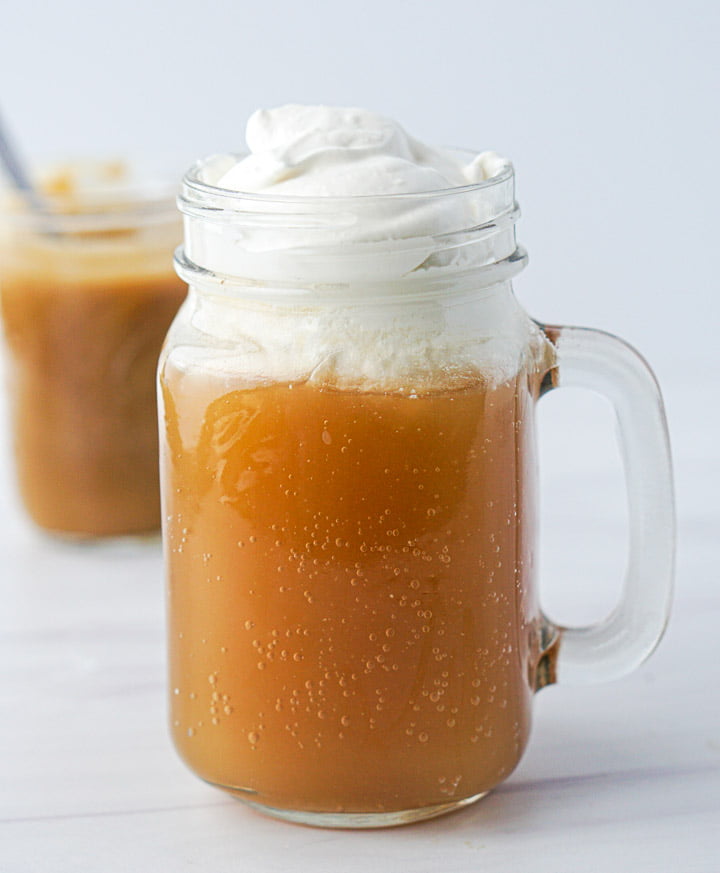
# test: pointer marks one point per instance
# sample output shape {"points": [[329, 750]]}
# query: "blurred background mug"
{"points": [[88, 293]]}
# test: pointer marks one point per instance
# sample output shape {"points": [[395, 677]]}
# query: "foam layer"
{"points": [[389, 347]]}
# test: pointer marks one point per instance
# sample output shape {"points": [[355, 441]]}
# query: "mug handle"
{"points": [[593, 359]]}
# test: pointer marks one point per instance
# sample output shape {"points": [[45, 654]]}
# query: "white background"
{"points": [[609, 111]]}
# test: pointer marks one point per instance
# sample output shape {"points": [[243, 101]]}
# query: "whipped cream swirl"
{"points": [[344, 196], [324, 151]]}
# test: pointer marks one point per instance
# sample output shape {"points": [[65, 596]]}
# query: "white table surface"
{"points": [[619, 777]]}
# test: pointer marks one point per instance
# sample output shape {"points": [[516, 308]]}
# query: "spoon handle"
{"points": [[15, 169]]}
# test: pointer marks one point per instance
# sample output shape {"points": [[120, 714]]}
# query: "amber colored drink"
{"points": [[84, 321], [352, 621]]}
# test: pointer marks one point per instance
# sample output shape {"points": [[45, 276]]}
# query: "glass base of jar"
{"points": [[358, 820], [105, 541]]}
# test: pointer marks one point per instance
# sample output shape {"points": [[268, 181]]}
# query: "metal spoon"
{"points": [[16, 171]]}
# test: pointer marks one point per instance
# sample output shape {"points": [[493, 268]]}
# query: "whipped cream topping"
{"points": [[346, 196], [324, 151], [319, 275]]}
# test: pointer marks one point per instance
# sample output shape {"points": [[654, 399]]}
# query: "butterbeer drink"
{"points": [[348, 474], [350, 603]]}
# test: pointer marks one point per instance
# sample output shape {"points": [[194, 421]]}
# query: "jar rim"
{"points": [[136, 204], [349, 240], [192, 182], [473, 280]]}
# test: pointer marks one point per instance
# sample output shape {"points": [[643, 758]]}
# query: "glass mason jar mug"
{"points": [[349, 501]]}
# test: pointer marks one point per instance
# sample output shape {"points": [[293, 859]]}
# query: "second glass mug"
{"points": [[349, 502], [87, 293]]}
